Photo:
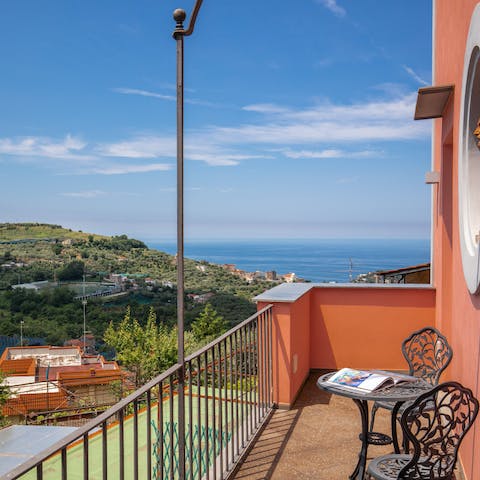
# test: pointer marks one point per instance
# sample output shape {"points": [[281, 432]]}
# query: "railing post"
{"points": [[233, 402]]}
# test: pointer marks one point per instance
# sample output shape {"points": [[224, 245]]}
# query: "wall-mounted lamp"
{"points": [[432, 178]]}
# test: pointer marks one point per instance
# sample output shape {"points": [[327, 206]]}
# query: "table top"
{"points": [[403, 392]]}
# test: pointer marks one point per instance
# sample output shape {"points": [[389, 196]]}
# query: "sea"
{"points": [[325, 260]]}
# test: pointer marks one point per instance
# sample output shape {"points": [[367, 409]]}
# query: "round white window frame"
{"points": [[469, 159]]}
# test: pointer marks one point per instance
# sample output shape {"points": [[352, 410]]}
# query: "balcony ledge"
{"points": [[291, 292]]}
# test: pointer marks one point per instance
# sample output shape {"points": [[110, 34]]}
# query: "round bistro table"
{"points": [[397, 394]]}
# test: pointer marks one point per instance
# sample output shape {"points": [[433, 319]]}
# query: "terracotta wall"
{"points": [[329, 328], [290, 348], [35, 402], [365, 327], [458, 312]]}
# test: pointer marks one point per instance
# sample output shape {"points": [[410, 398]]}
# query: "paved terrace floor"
{"points": [[316, 439]]}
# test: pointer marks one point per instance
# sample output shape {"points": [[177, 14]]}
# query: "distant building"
{"points": [[120, 280], [272, 275], [415, 274], [249, 276], [86, 343], [36, 286], [13, 265], [289, 277], [46, 379], [201, 298]]}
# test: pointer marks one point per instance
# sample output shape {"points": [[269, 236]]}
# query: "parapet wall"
{"points": [[325, 326]]}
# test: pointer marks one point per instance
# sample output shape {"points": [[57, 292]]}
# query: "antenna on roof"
{"points": [[350, 270]]}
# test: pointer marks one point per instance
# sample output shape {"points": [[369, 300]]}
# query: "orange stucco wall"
{"points": [[365, 327], [329, 328], [290, 348], [458, 312]]}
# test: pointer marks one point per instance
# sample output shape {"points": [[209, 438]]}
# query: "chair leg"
{"points": [[405, 442], [372, 419], [406, 445]]}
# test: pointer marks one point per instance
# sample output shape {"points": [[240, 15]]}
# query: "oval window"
{"points": [[469, 159]]}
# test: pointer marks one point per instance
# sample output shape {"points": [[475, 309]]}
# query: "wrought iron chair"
{"points": [[428, 354], [435, 424]]}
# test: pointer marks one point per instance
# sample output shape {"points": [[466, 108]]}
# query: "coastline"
{"points": [[322, 260]]}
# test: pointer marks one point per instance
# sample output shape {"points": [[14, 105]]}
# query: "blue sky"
{"points": [[298, 122]]}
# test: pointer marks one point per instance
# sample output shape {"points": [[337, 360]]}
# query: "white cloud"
{"points": [[70, 148], [391, 89], [161, 96], [415, 76], [264, 108], [217, 157], [144, 93], [333, 7], [125, 169], [377, 120], [198, 146], [321, 130], [332, 153], [329, 153], [144, 146], [85, 194], [286, 130]]}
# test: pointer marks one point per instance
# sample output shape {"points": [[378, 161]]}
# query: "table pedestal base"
{"points": [[359, 472]]}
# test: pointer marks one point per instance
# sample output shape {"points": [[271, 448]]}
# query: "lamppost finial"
{"points": [[179, 15]]}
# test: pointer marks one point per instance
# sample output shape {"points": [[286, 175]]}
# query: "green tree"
{"points": [[125, 339], [72, 271], [208, 325], [145, 351]]}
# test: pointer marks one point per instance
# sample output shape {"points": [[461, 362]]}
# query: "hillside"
{"points": [[37, 252], [46, 248], [22, 231]]}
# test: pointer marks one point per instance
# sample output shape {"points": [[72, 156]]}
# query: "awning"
{"points": [[431, 101]]}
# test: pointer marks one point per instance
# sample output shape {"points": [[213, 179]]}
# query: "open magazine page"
{"points": [[365, 381], [396, 377]]}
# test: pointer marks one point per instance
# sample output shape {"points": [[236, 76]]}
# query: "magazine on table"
{"points": [[366, 381]]}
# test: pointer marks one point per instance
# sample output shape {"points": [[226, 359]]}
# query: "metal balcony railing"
{"points": [[228, 396]]}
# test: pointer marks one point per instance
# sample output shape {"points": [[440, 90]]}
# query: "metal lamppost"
{"points": [[22, 322], [84, 304], [179, 33]]}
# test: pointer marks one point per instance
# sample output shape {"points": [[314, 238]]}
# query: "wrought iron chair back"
{"points": [[435, 424], [428, 354]]}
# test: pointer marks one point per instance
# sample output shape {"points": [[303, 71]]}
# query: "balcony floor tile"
{"points": [[316, 439]]}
